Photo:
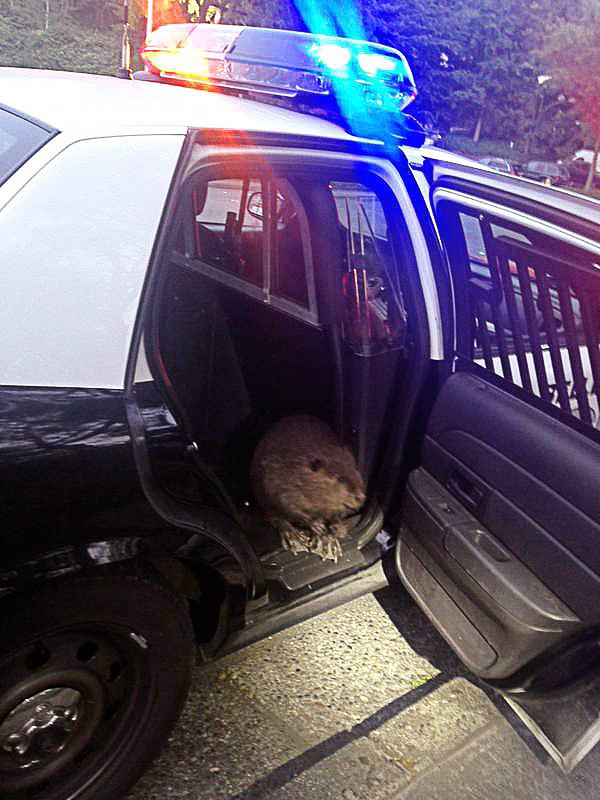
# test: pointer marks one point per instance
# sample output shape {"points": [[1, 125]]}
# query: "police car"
{"points": [[181, 269]]}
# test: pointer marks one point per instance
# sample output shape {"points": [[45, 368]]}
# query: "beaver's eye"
{"points": [[316, 464]]}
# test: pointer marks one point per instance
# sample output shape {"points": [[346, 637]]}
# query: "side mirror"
{"points": [[284, 211], [255, 205]]}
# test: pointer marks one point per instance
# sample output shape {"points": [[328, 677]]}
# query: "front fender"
{"points": [[23, 573]]}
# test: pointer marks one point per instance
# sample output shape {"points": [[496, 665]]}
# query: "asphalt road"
{"points": [[365, 701]]}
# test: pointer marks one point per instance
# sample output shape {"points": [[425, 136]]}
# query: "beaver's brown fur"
{"points": [[308, 484]]}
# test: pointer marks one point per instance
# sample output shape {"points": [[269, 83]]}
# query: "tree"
{"points": [[262, 13], [554, 130], [424, 32], [573, 58], [471, 61], [491, 60], [70, 41]]}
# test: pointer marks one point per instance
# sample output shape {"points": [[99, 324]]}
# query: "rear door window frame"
{"points": [[29, 125], [548, 242], [266, 292]]}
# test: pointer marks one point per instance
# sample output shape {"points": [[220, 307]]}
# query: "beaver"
{"points": [[308, 485]]}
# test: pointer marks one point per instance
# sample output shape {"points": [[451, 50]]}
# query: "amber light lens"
{"points": [[182, 63]]}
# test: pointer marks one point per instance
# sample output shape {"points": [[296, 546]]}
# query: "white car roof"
{"points": [[85, 102], [417, 154], [70, 100]]}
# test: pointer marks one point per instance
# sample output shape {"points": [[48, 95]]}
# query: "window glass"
{"points": [[288, 270], [474, 241], [534, 317], [478, 260], [375, 315], [19, 139], [228, 233], [350, 198], [233, 218]]}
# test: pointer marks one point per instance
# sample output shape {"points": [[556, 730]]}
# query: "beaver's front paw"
{"points": [[292, 538], [326, 545]]}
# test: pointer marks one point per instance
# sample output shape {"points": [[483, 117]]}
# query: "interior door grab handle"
{"points": [[465, 490]]}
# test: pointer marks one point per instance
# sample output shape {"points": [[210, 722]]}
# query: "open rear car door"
{"points": [[500, 536]]}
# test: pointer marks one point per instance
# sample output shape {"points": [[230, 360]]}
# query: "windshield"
{"points": [[19, 139]]}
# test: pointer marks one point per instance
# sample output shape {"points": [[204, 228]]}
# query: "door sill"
{"points": [[274, 617], [296, 572], [568, 728]]}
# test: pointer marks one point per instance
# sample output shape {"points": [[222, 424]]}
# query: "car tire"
{"points": [[93, 674]]}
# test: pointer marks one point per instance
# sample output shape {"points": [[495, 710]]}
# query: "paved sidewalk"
{"points": [[365, 701]]}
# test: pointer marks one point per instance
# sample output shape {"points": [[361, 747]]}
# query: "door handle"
{"points": [[465, 490]]}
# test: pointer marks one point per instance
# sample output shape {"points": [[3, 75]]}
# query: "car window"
{"points": [[370, 270], [359, 208], [252, 234], [552, 169], [19, 139], [535, 314], [227, 235], [288, 263], [473, 236], [546, 167]]}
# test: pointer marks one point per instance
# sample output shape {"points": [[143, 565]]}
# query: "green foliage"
{"points": [[485, 147], [422, 31], [262, 13], [573, 57], [473, 60], [68, 43], [476, 66]]}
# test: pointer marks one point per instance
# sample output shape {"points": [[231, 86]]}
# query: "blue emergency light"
{"points": [[347, 77]]}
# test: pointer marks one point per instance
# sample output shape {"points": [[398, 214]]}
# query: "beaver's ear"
{"points": [[316, 464]]}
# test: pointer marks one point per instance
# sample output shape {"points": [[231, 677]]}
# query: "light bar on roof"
{"points": [[281, 63]]}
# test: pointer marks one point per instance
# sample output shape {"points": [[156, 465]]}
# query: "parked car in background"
{"points": [[499, 164], [586, 156], [578, 172], [548, 172]]}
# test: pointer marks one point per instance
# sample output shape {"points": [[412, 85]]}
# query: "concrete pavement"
{"points": [[365, 701]]}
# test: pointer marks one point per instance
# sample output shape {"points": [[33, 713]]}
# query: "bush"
{"points": [[70, 43], [485, 147]]}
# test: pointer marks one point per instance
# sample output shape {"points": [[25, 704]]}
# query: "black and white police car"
{"points": [[180, 269]]}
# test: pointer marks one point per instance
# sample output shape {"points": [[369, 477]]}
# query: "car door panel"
{"points": [[500, 526], [503, 556], [537, 480]]}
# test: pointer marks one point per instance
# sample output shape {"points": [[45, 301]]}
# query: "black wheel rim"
{"points": [[69, 704]]}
